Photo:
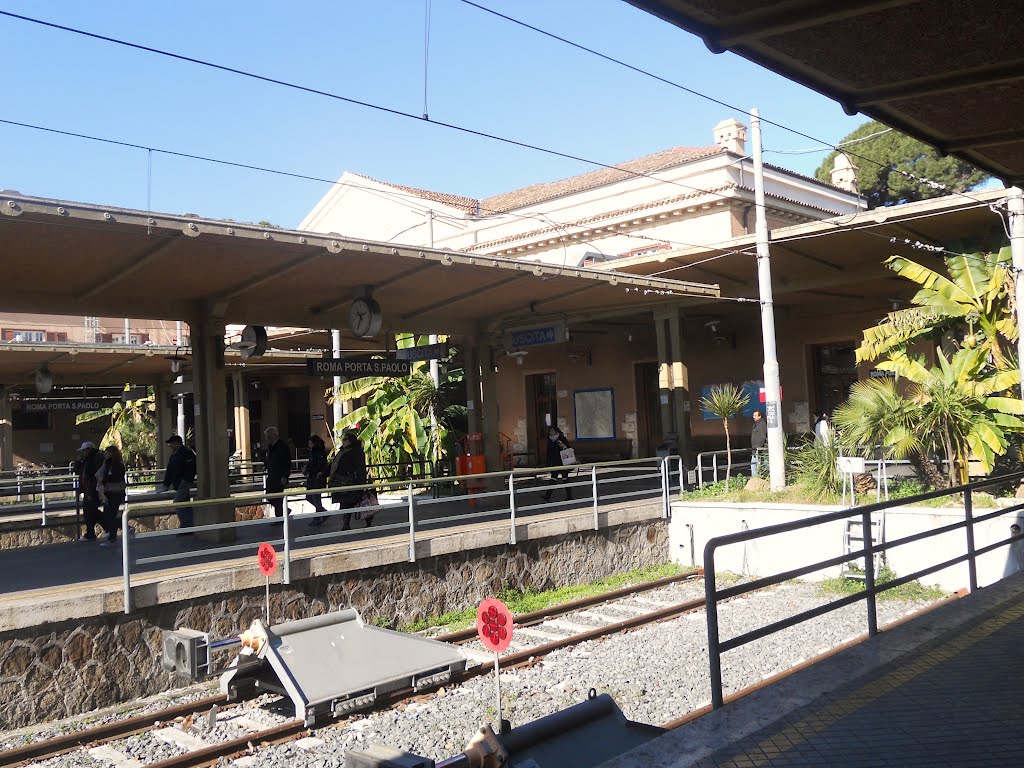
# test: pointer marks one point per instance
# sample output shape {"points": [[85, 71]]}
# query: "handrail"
{"points": [[714, 463], [713, 595], [592, 476]]}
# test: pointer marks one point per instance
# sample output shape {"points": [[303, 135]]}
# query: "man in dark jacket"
{"points": [[278, 468], [758, 441], [178, 477]]}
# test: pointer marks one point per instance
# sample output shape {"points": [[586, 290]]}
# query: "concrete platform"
{"points": [[940, 690], [76, 580]]}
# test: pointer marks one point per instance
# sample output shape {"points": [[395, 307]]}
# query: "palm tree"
{"points": [[876, 414], [725, 401], [974, 300]]}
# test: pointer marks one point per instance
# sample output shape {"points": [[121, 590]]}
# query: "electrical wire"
{"points": [[699, 94]]}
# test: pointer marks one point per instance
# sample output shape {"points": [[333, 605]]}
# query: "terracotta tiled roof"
{"points": [[536, 193], [467, 204]]}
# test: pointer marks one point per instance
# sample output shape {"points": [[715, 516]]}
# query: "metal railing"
{"points": [[713, 595], [718, 462], [516, 495]]}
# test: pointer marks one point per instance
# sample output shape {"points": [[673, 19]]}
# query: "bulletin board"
{"points": [[595, 414]]}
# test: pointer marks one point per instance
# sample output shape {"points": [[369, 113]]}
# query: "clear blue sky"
{"points": [[484, 73]]}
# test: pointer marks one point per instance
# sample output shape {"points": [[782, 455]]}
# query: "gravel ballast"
{"points": [[655, 674]]}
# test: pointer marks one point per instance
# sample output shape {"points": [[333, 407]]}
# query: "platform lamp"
{"points": [[44, 380]]}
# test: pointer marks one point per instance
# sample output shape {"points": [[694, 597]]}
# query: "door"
{"points": [[834, 371], [299, 426], [542, 412], [648, 408]]}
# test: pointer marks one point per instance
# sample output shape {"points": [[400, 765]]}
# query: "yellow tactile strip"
{"points": [[772, 750]]}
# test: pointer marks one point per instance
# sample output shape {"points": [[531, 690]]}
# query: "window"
{"points": [[647, 250], [135, 338], [13, 334]]}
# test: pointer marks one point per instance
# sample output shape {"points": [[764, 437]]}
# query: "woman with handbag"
{"points": [[316, 477], [348, 468], [113, 489], [559, 454]]}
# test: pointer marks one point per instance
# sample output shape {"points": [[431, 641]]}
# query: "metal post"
{"points": [[1015, 208], [78, 509], [287, 541], [512, 508], [664, 486], [412, 526], [497, 689], [593, 487], [869, 573], [711, 611], [180, 415], [714, 467], [772, 390], [972, 563], [42, 498], [126, 562]]}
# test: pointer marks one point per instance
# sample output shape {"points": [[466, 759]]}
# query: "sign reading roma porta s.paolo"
{"points": [[357, 366]]}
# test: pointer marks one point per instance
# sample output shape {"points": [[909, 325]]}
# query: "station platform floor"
{"points": [[940, 691]]}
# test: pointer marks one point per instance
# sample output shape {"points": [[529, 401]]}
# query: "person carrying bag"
{"points": [[559, 454], [348, 468]]}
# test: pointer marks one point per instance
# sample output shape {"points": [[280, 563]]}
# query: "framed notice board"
{"points": [[595, 414]]}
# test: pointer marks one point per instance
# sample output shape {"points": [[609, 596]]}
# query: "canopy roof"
{"points": [[948, 72], [83, 259]]}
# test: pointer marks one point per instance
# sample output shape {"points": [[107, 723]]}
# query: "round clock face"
{"points": [[364, 318]]}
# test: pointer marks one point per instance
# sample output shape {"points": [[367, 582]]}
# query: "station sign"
{"points": [[357, 366], [553, 333], [76, 404], [420, 354]]}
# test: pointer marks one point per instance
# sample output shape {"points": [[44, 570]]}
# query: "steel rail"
{"points": [[105, 732], [535, 617]]}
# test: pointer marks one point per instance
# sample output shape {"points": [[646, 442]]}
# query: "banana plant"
{"points": [[964, 406], [132, 428], [974, 301]]}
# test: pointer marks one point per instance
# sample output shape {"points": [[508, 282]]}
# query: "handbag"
{"points": [[369, 500], [568, 457]]}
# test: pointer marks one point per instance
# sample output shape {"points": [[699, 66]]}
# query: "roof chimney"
{"points": [[732, 134], [844, 173]]}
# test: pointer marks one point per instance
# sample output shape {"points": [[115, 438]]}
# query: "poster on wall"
{"points": [[595, 414], [751, 388]]}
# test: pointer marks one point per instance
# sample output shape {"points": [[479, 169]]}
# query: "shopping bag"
{"points": [[568, 457]]}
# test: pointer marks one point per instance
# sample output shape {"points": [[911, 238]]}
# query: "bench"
{"points": [[594, 451]]}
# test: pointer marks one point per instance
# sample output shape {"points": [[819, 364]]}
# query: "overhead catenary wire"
{"points": [[699, 94]]}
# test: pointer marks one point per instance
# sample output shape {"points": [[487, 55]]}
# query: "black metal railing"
{"points": [[713, 595]]}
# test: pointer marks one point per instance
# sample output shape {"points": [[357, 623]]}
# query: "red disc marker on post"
{"points": [[266, 556], [494, 627]]}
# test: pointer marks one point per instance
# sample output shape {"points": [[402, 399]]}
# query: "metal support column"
{"points": [[1015, 206]]}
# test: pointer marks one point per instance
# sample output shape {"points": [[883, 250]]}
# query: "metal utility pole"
{"points": [[772, 389], [181, 398], [1015, 206]]}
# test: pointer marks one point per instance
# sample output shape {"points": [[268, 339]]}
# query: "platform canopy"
{"points": [[948, 72], [836, 265], [83, 259]]}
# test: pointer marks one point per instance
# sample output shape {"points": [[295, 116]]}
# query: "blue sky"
{"points": [[484, 73]]}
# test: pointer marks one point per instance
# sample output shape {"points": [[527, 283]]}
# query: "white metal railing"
{"points": [[713, 461], [606, 482]]}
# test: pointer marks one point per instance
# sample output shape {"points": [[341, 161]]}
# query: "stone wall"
{"points": [[51, 672]]}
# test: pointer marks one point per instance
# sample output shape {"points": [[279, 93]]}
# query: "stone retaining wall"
{"points": [[55, 671]]}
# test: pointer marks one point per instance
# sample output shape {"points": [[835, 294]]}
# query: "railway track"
{"points": [[187, 729]]}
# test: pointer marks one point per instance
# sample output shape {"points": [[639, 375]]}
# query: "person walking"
{"points": [[316, 477], [178, 477], [278, 469], [557, 443], [758, 441], [88, 464], [348, 468], [113, 487]]}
